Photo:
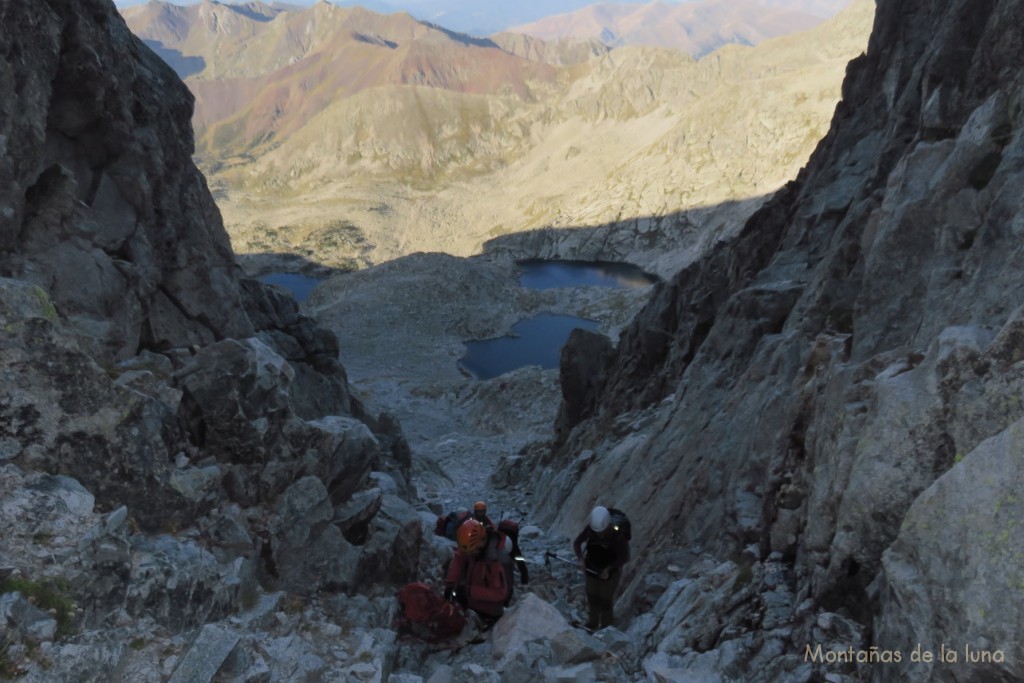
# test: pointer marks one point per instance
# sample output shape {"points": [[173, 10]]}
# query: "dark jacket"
{"points": [[485, 520], [607, 550]]}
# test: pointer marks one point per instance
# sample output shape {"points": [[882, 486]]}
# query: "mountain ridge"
{"points": [[274, 139], [697, 29]]}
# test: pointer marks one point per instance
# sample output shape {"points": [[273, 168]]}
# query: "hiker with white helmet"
{"points": [[602, 548]]}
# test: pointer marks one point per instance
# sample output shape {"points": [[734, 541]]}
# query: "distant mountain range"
{"points": [[486, 18], [259, 72], [354, 137], [493, 16], [694, 28]]}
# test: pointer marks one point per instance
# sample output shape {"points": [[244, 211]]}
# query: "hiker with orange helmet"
{"points": [[480, 573], [480, 515], [602, 548]]}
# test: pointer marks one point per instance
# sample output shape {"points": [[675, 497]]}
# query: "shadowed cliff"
{"points": [[199, 430], [836, 387]]}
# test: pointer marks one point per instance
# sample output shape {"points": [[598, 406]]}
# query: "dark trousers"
{"points": [[600, 599]]}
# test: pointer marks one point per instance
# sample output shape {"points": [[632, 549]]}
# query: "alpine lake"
{"points": [[538, 340], [300, 286]]}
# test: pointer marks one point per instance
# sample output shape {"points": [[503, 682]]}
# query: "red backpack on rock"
{"points": [[427, 615]]}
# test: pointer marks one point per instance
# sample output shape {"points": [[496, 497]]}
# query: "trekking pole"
{"points": [[548, 555]]}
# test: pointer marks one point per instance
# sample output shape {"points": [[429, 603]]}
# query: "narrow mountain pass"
{"points": [[401, 328]]}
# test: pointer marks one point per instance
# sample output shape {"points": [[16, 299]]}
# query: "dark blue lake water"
{"points": [[301, 286], [548, 274], [534, 341]]}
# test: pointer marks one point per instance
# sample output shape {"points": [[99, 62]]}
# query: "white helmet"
{"points": [[600, 518]]}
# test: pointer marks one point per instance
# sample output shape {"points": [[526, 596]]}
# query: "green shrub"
{"points": [[46, 595]]}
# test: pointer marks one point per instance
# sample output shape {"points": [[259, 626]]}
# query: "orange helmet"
{"points": [[471, 536]]}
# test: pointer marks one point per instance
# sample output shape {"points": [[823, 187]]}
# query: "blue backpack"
{"points": [[448, 525]]}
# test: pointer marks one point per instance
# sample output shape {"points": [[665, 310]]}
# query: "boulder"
{"points": [[581, 371], [230, 534], [182, 585], [309, 551], [211, 648], [62, 412], [530, 618], [73, 498], [474, 673], [106, 565], [196, 483], [391, 549], [690, 609], [174, 581], [525, 663], [319, 387], [235, 399], [24, 622], [237, 406], [580, 673], [680, 675], [442, 674], [292, 654], [405, 678], [575, 646], [353, 517], [343, 450]]}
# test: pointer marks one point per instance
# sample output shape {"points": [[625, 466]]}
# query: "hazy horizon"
{"points": [[557, 6], [473, 18], [466, 16], [400, 4]]}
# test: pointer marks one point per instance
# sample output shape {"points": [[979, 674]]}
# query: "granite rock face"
{"points": [[956, 559], [192, 431], [62, 412], [102, 206], [831, 385]]}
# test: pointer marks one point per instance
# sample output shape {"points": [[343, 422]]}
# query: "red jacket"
{"points": [[485, 577]]}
